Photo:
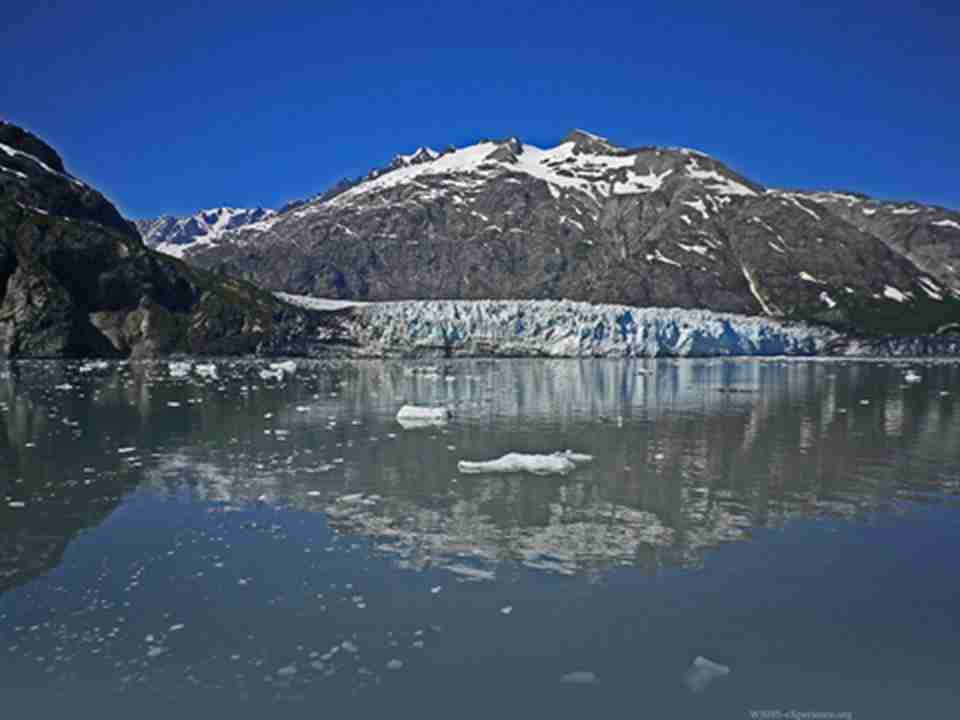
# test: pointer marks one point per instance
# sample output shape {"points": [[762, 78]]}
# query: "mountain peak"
{"points": [[586, 141], [420, 155], [26, 142]]}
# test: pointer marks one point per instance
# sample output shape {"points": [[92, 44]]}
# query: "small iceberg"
{"points": [[702, 673], [912, 377], [179, 369], [414, 416], [208, 370], [558, 463]]}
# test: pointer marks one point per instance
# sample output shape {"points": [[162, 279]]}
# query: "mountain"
{"points": [[172, 235], [927, 235], [77, 280], [590, 221]]}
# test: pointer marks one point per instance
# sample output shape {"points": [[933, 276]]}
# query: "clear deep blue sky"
{"points": [[185, 105]]}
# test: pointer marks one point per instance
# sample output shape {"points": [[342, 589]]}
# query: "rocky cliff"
{"points": [[77, 280]]}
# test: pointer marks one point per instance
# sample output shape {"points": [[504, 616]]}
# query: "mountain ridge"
{"points": [[591, 221]]}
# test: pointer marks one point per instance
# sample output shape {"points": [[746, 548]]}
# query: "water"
{"points": [[245, 545]]}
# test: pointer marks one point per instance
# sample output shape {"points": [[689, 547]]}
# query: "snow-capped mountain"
{"points": [[588, 220], [173, 235]]}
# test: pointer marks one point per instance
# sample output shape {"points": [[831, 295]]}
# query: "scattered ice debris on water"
{"points": [[179, 369], [395, 664], [318, 665], [558, 463], [702, 673], [506, 609], [287, 671], [579, 677], [94, 365], [349, 646], [416, 416], [156, 651]]}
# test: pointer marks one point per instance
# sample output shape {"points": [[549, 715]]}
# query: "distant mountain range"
{"points": [[173, 235], [588, 220]]}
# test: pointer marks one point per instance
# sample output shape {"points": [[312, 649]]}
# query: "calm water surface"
{"points": [[257, 542]]}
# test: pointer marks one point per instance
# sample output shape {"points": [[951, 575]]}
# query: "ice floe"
{"points": [[416, 416], [558, 463], [702, 672]]}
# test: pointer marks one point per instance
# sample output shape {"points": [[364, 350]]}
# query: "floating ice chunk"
{"points": [[180, 369], [208, 371], [579, 677], [349, 646], [395, 664], [125, 450], [414, 416], [506, 609], [912, 377], [558, 463], [287, 671], [16, 504], [703, 672], [288, 366], [271, 374], [156, 652]]}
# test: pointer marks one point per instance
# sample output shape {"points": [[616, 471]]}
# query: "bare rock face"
{"points": [[590, 221], [77, 280], [927, 235]]}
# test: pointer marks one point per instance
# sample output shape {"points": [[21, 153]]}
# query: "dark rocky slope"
{"points": [[77, 280]]}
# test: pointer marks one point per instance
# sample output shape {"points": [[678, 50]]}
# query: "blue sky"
{"points": [[185, 105]]}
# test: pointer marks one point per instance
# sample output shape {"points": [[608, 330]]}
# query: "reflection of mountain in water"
{"points": [[64, 484], [682, 464]]}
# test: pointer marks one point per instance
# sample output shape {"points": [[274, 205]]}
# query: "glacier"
{"points": [[561, 328], [570, 329]]}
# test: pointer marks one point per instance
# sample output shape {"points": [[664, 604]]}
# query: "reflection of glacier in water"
{"points": [[688, 455]]}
